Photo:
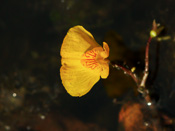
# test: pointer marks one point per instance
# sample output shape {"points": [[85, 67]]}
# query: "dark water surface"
{"points": [[31, 33]]}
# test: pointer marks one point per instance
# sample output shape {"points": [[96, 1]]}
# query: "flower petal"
{"points": [[77, 41], [78, 80], [83, 61], [105, 70], [105, 53]]}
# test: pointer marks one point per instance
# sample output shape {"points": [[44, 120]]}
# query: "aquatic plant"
{"points": [[84, 62]]}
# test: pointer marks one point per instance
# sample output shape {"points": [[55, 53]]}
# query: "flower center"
{"points": [[89, 59]]}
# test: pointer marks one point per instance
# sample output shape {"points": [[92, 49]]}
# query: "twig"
{"points": [[127, 71], [141, 84], [142, 89], [153, 33], [146, 72]]}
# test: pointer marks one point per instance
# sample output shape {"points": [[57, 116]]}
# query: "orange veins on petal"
{"points": [[89, 59]]}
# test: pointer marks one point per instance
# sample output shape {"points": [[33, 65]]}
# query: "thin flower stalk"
{"points": [[127, 71]]}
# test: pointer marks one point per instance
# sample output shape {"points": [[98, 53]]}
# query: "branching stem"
{"points": [[127, 71], [141, 83], [146, 71]]}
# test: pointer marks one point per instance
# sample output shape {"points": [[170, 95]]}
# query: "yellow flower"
{"points": [[83, 61]]}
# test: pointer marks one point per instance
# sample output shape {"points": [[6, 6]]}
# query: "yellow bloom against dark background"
{"points": [[83, 61]]}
